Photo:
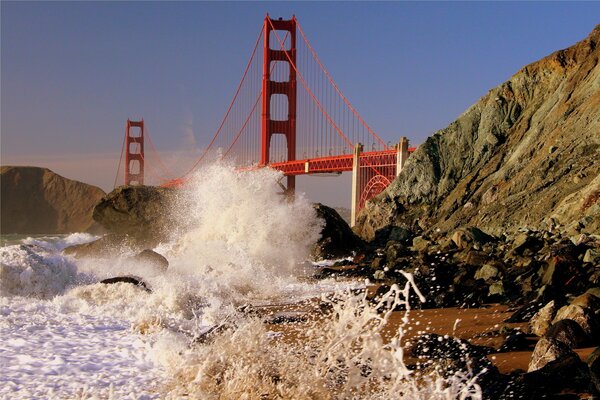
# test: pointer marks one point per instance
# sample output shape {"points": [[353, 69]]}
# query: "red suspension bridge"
{"points": [[288, 114]]}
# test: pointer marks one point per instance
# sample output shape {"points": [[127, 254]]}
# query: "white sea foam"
{"points": [[238, 241]]}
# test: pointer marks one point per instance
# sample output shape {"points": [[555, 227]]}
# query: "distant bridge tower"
{"points": [[134, 153], [270, 127]]}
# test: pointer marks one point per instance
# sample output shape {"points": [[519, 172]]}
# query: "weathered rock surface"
{"points": [[568, 332], [142, 212], [337, 239], [526, 154], [541, 321], [548, 350], [37, 200]]}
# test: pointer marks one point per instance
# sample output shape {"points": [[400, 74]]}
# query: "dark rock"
{"points": [[568, 332], [128, 279], [448, 355], [593, 363], [566, 372], [337, 239], [141, 212], [432, 345], [526, 244], [515, 342], [525, 313], [287, 318]]}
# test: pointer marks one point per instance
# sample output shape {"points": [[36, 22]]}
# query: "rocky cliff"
{"points": [[526, 154], [36, 200]]}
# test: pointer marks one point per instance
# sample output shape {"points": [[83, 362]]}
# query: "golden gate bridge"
{"points": [[287, 113]]}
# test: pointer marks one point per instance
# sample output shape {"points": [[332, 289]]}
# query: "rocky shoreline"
{"points": [[547, 282]]}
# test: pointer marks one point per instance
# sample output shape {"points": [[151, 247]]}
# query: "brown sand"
{"points": [[481, 326]]}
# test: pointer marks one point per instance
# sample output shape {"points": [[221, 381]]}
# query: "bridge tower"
{"points": [[270, 127], [134, 152]]}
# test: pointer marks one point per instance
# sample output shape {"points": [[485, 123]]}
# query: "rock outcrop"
{"points": [[337, 239], [142, 213], [37, 200], [526, 154]]}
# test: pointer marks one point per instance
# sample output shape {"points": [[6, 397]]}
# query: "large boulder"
{"points": [[337, 239], [524, 155], [547, 350], [37, 200], [142, 212]]}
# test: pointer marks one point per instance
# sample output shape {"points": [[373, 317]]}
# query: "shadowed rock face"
{"points": [[36, 200], [526, 152], [142, 212]]}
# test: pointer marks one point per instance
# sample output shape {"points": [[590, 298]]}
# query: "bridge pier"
{"points": [[358, 148], [402, 155]]}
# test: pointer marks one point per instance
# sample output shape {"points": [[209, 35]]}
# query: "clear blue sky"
{"points": [[73, 72]]}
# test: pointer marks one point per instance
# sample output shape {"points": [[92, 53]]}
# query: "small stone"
{"points": [[487, 272], [592, 256], [496, 289], [379, 274], [420, 244], [541, 321]]}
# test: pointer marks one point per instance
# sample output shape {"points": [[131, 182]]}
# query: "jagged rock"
{"points": [[566, 372], [594, 291], [495, 156], [36, 200], [470, 236], [541, 321], [592, 256], [583, 316], [496, 289], [337, 239], [525, 244], [448, 355], [487, 272], [568, 332], [587, 301], [142, 212], [515, 342], [547, 350], [420, 244], [593, 363]]}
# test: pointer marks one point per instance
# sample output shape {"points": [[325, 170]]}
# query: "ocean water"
{"points": [[237, 243]]}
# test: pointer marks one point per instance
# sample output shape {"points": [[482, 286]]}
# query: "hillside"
{"points": [[527, 154], [36, 200]]}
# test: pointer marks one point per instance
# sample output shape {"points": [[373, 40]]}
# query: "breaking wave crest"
{"points": [[238, 242]]}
